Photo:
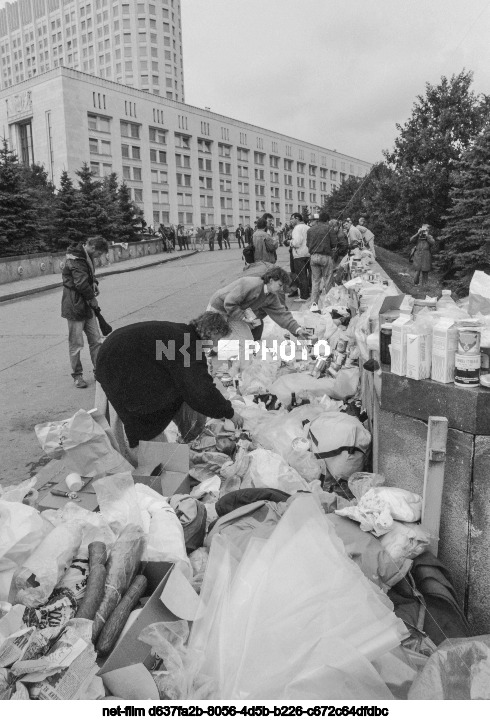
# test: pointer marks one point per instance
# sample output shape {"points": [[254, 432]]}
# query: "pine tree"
{"points": [[93, 218], [345, 201], [68, 211], [42, 192], [110, 194], [130, 216], [18, 216], [466, 237]]}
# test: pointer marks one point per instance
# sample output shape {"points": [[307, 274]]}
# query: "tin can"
{"points": [[469, 341], [342, 345], [339, 358], [319, 367], [226, 380], [467, 370]]}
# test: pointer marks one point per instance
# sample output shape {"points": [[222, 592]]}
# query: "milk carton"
{"points": [[444, 345], [419, 354], [400, 328]]}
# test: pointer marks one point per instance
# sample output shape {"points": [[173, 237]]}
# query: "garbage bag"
{"points": [[339, 388], [83, 444], [270, 470], [303, 460], [34, 581], [403, 505], [341, 441], [293, 617], [458, 670], [258, 376], [479, 298], [362, 481], [118, 501], [405, 541]]}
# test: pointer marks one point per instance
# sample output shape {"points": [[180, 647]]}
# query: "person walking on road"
{"points": [[264, 245], [226, 237], [149, 389], [80, 289], [301, 256], [422, 254], [321, 261], [200, 237]]}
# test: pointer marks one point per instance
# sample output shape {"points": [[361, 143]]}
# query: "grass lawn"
{"points": [[401, 272]]}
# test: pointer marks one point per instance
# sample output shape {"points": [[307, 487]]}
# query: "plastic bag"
{"points": [[199, 561], [118, 501], [258, 376], [458, 670], [479, 298], [270, 470], [341, 441], [405, 541], [376, 519], [83, 445], [342, 387], [34, 581], [362, 481], [16, 494], [302, 460], [403, 505], [192, 515]]}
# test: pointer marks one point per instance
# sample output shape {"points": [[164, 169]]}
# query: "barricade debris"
{"points": [[254, 564]]}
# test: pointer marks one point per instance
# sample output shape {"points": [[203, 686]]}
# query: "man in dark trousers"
{"points": [[156, 371], [219, 238], [226, 235], [240, 235], [80, 289], [211, 237]]}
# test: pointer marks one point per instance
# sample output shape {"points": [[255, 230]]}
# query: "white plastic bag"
{"points": [[302, 460], [118, 501], [405, 541], [83, 445], [258, 376], [479, 299], [342, 387], [34, 581], [341, 441], [270, 470], [403, 505]]}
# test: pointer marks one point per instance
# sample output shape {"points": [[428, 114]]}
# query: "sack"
{"points": [[269, 470], [339, 388], [83, 445], [479, 293], [341, 441]]}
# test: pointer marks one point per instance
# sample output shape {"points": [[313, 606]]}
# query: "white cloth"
{"points": [[298, 241]]}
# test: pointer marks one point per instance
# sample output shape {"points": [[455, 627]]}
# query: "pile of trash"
{"points": [[274, 568]]}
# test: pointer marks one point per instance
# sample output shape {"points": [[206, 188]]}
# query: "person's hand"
{"points": [[237, 420], [96, 291], [302, 333], [93, 303]]}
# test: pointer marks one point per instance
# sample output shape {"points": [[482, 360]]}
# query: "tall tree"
{"points": [[68, 211], [466, 237], [93, 219], [110, 195], [345, 201], [130, 216], [18, 214]]}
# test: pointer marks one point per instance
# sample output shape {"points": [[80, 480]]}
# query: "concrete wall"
{"points": [[39, 264]]}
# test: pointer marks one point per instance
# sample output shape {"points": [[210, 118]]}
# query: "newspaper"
{"points": [[69, 683]]}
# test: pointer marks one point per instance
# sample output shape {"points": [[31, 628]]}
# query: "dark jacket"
{"points": [[220, 235], [78, 284], [146, 383], [226, 233], [318, 239], [265, 246], [422, 259]]}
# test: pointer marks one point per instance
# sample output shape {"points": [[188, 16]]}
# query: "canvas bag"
{"points": [[83, 445]]}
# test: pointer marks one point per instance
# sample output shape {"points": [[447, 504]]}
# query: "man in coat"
{"points": [[226, 237], [211, 237], [79, 299], [156, 371], [219, 238], [240, 235], [264, 245], [422, 257]]}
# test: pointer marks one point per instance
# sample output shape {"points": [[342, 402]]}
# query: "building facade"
{"points": [[138, 44], [182, 164]]}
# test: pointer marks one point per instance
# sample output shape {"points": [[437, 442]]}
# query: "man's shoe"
{"points": [[79, 382]]}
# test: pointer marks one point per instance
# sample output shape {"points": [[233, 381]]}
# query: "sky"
{"points": [[337, 73]]}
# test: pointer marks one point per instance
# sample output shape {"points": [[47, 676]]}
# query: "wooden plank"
{"points": [[435, 460]]}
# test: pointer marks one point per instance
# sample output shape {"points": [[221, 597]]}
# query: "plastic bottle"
{"points": [[445, 302]]}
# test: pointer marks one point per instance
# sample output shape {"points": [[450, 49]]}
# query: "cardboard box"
{"points": [[125, 672], [174, 459], [390, 308], [444, 345], [400, 329], [419, 355], [52, 477]]}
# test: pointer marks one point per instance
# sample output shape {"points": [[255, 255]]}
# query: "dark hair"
{"points": [[98, 243], [210, 323], [297, 215], [267, 215], [277, 273], [323, 216], [261, 223]]}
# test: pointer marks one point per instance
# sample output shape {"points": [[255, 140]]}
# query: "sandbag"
{"points": [[341, 441]]}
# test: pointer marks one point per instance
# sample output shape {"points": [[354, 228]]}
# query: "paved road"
{"points": [[35, 381]]}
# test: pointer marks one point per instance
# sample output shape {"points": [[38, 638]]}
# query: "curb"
{"points": [[53, 286]]}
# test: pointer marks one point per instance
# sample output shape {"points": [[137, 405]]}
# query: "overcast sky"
{"points": [[339, 73]]}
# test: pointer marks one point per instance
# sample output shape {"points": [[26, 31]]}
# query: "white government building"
{"points": [[102, 82]]}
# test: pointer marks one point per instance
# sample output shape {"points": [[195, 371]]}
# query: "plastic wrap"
{"points": [[403, 505], [294, 617], [302, 460], [269, 470], [122, 567], [479, 298], [362, 481], [118, 501], [34, 581], [405, 541], [21, 531], [199, 561], [258, 376]]}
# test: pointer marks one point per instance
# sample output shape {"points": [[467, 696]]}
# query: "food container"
{"points": [[467, 370], [385, 333]]}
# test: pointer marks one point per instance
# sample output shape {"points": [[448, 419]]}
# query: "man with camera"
{"points": [[421, 255]]}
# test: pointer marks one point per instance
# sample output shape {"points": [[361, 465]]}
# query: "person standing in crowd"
{"points": [[80, 289], [367, 235], [200, 237], [264, 245], [422, 254], [226, 237], [248, 234], [240, 235], [354, 236], [219, 238], [321, 260], [149, 389], [301, 256], [258, 295], [248, 253], [211, 236], [280, 235]]}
